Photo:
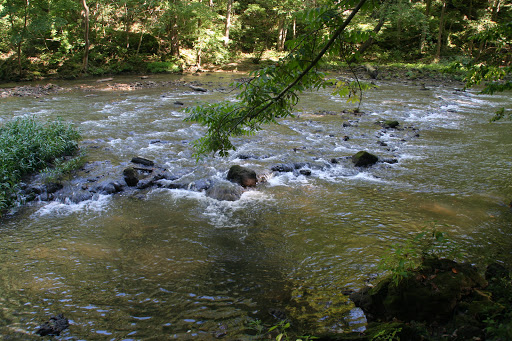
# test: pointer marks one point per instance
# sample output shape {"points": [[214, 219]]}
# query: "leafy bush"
{"points": [[161, 67], [27, 146], [407, 256]]}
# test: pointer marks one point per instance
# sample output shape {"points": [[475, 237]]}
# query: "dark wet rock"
{"points": [[172, 185], [78, 197], [283, 167], [345, 138], [247, 156], [242, 175], [179, 103], [53, 187], [390, 124], [277, 314], [201, 185], [306, 172], [158, 141], [364, 159], [197, 88], [145, 183], [221, 332], [224, 191], [108, 187], [159, 174], [54, 326], [334, 160], [131, 177], [431, 293], [142, 161], [496, 271], [383, 144]]}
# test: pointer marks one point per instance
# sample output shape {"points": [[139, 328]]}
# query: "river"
{"points": [[164, 264]]}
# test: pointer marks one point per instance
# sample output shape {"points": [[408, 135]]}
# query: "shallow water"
{"points": [[174, 264]]}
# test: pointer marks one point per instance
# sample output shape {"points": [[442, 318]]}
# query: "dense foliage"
{"points": [[70, 38], [26, 146]]}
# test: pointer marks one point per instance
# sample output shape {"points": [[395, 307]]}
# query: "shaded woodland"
{"points": [[68, 39]]}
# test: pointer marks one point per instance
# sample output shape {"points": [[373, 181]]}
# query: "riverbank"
{"points": [[424, 75]]}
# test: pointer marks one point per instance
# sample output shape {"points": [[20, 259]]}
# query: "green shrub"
{"points": [[27, 146], [161, 67]]}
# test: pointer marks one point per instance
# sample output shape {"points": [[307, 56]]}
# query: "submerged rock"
{"points": [[54, 326], [242, 175], [364, 159], [225, 191]]}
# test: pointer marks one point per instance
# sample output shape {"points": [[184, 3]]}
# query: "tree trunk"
{"points": [[424, 27], [366, 45], [24, 32], [281, 37], [173, 31], [228, 22], [429, 7], [440, 33], [127, 25], [86, 35], [495, 10]]}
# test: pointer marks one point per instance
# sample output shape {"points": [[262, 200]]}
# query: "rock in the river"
{"points": [[131, 176], [108, 187], [364, 159], [197, 88], [143, 161], [224, 191], [430, 293], [390, 124], [283, 167], [53, 327], [242, 175]]}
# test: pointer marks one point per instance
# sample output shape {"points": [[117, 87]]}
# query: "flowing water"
{"points": [[165, 264]]}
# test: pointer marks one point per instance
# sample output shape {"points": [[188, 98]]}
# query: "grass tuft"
{"points": [[28, 146]]}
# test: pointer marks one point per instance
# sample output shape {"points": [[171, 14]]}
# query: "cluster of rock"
{"points": [[441, 299], [98, 177], [32, 91]]}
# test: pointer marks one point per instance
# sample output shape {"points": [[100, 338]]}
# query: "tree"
{"points": [[274, 90], [86, 35], [228, 22]]}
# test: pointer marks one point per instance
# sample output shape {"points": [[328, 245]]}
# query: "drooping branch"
{"points": [[269, 96]]}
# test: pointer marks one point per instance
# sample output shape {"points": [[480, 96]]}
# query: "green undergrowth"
{"points": [[28, 146]]}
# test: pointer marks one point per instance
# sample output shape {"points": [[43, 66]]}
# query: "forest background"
{"points": [[71, 38]]}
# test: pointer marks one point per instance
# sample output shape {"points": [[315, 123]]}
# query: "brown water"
{"points": [[174, 264]]}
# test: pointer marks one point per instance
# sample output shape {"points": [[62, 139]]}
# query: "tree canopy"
{"points": [[69, 38]]}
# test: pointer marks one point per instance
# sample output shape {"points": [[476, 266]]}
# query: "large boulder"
{"points": [[243, 176], [430, 293], [224, 191], [131, 176], [364, 159]]}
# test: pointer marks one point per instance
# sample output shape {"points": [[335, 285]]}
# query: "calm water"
{"points": [[173, 264]]}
